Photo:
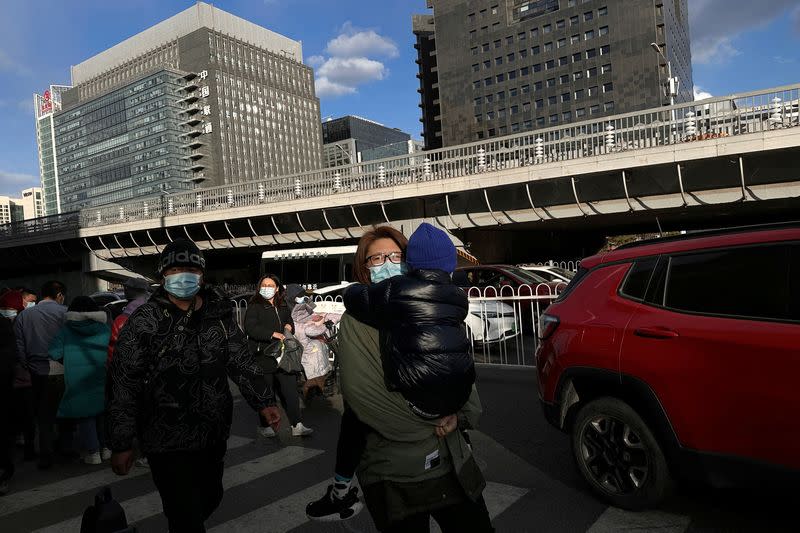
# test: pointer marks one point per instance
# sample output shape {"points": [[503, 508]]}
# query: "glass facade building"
{"points": [[122, 145], [346, 139], [45, 105], [203, 97], [489, 68]]}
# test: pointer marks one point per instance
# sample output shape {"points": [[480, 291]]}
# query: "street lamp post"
{"points": [[672, 85]]}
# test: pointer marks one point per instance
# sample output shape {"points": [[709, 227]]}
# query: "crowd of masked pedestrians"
{"points": [[54, 371], [154, 383]]}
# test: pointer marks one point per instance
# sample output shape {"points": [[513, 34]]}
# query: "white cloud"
{"points": [[352, 42], [349, 61], [715, 25], [12, 183], [315, 61], [325, 88], [352, 71], [700, 94], [717, 50]]}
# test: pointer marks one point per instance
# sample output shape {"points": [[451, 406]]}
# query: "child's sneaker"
{"points": [[105, 454], [331, 509], [142, 462]]}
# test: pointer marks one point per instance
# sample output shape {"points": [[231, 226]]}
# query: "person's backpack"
{"points": [[105, 516]]}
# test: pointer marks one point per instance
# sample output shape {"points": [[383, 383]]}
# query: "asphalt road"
{"points": [[533, 485]]}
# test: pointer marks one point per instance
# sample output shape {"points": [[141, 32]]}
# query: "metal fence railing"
{"points": [[502, 324], [679, 124]]}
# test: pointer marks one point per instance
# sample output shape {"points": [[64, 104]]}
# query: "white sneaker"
{"points": [[105, 454], [142, 462], [92, 458], [267, 432], [301, 431]]}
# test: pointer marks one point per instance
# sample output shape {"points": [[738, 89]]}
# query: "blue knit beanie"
{"points": [[430, 248]]}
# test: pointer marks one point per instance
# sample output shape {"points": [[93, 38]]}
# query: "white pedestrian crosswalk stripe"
{"points": [[614, 519], [282, 515], [288, 512], [149, 504], [19, 501]]}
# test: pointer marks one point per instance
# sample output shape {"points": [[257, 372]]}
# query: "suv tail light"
{"points": [[547, 325]]}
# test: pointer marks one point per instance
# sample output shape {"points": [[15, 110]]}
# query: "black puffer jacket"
{"points": [[169, 376], [261, 320], [424, 344]]}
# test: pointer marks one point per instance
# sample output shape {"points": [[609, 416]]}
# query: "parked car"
{"points": [[106, 297], [491, 321], [661, 362], [526, 291], [550, 273]]}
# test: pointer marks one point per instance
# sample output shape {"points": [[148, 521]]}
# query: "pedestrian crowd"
{"points": [[148, 385]]}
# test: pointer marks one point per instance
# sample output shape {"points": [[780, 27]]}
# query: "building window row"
{"points": [[591, 72]]}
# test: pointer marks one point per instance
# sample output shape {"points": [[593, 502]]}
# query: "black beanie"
{"points": [[83, 304], [181, 252]]}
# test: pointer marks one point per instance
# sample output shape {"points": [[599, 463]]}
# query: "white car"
{"points": [[486, 321], [550, 273], [491, 321]]}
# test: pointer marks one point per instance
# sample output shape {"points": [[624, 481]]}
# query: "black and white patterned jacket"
{"points": [[168, 378]]}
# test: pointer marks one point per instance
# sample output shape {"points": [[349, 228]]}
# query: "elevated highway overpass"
{"points": [[550, 193]]}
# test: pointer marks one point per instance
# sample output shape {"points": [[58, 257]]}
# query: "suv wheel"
{"points": [[619, 456]]}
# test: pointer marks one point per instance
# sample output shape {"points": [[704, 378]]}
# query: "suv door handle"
{"points": [[656, 333]]}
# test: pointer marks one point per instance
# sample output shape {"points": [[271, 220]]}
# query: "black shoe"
{"points": [[331, 509], [45, 462]]}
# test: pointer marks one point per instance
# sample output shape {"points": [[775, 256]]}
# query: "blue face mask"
{"points": [[386, 270], [183, 285]]}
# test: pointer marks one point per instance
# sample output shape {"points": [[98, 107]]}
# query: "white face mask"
{"points": [[302, 299], [267, 292], [28, 305], [8, 313]]}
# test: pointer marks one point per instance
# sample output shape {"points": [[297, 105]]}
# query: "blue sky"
{"points": [[362, 51]]}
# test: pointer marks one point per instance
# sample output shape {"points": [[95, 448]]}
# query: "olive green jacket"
{"points": [[403, 448]]}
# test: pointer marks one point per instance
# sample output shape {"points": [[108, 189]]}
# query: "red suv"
{"points": [[679, 358]]}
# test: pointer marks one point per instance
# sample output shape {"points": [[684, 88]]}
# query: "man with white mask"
{"points": [[175, 352]]}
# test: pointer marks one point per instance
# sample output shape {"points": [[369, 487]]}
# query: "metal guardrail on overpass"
{"points": [[735, 115]]}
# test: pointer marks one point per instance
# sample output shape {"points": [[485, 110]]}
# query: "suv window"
{"points": [[638, 278], [722, 282]]}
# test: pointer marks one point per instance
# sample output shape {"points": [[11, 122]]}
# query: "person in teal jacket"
{"points": [[81, 345]]}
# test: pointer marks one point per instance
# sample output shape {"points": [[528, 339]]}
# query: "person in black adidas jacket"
{"points": [[169, 388]]}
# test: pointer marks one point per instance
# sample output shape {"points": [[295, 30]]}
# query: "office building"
{"points": [[202, 98], [44, 106], [32, 203], [489, 68], [346, 139], [411, 146]]}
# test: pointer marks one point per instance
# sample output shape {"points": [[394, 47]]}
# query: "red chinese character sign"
{"points": [[47, 103]]}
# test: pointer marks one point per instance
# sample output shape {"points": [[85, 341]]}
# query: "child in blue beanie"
{"points": [[419, 314]]}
